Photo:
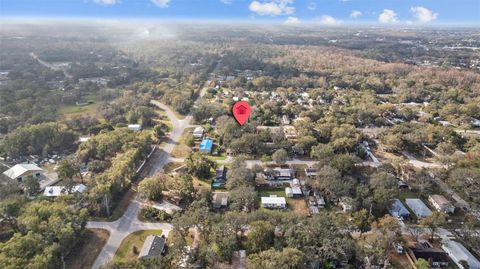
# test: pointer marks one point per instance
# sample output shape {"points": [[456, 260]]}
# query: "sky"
{"points": [[290, 12]]}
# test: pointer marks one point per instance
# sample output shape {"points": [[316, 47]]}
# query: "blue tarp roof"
{"points": [[206, 145]]}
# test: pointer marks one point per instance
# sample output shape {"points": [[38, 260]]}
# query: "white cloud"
{"points": [[328, 20], [292, 21], [423, 14], [355, 14], [312, 6], [161, 3], [388, 16], [272, 7], [105, 2], [226, 2]]}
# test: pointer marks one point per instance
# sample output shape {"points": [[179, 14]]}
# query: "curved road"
{"points": [[129, 222]]}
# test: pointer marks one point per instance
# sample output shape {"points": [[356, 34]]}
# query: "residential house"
{"points": [[459, 253], [437, 258], [153, 246], [135, 127], [418, 207], [440, 203], [220, 200], [198, 132], [293, 192], [283, 174], [54, 191], [274, 202], [21, 171], [206, 146], [220, 178], [398, 210]]}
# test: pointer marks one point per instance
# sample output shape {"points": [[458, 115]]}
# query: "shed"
{"points": [[220, 200], [135, 127], [198, 132], [206, 146]]}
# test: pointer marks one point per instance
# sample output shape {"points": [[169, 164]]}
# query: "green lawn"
{"points": [[74, 110], [136, 239]]}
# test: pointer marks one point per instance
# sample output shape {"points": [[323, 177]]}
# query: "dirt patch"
{"points": [[85, 252]]}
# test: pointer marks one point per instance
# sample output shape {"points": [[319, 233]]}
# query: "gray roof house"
{"points": [[418, 207], [153, 246], [458, 253], [398, 210]]}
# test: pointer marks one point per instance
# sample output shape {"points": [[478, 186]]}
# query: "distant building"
{"points": [[23, 170], [54, 191], [198, 132], [206, 146], [441, 203], [310, 172], [293, 192], [152, 247], [398, 210], [135, 127], [437, 258], [274, 202], [418, 208], [458, 253], [220, 200], [282, 174]]}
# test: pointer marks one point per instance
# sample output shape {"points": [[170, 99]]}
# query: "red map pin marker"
{"points": [[241, 111]]}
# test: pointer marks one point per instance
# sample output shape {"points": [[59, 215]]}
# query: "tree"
{"points": [[422, 264], [280, 156], [288, 258], [330, 183], [199, 165], [362, 220], [32, 186], [260, 236], [434, 221], [243, 198], [150, 188], [66, 170]]}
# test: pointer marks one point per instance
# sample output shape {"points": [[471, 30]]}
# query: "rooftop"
{"points": [[20, 169], [153, 246]]}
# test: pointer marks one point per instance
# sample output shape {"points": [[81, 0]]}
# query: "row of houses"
{"points": [[419, 208]]}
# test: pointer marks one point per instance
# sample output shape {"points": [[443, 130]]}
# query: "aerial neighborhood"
{"points": [[121, 154]]}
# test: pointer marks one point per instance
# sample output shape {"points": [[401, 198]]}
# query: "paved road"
{"points": [[129, 222], [121, 228]]}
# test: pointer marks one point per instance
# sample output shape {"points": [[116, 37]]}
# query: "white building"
{"points": [[54, 191], [23, 170], [458, 253], [198, 132], [135, 127], [441, 203], [273, 202]]}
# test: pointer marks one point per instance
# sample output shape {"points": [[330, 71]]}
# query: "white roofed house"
{"points": [[23, 170], [460, 255], [198, 132], [54, 191], [274, 202], [135, 127]]}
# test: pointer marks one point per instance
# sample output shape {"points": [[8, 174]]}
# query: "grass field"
{"points": [[83, 255], [182, 150], [74, 110], [136, 239]]}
